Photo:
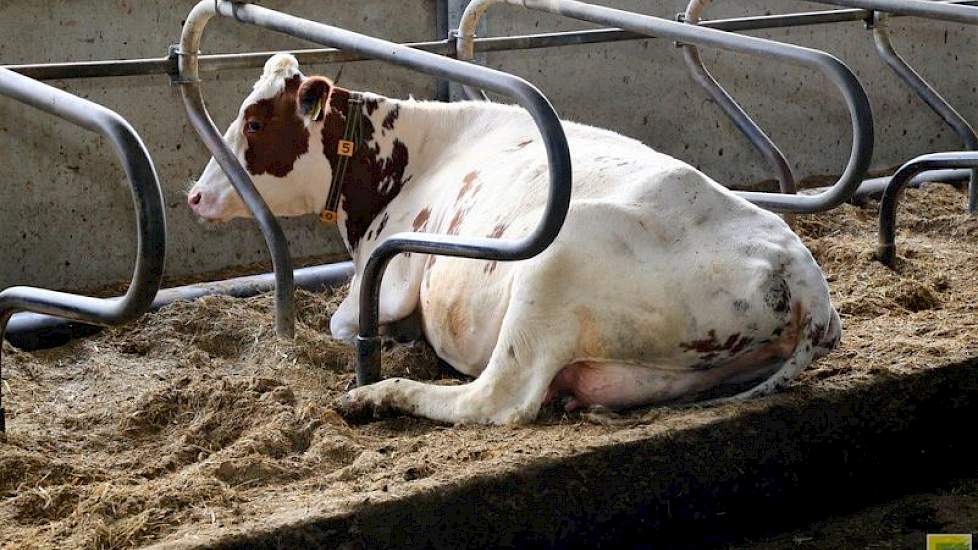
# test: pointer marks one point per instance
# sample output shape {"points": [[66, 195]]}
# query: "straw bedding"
{"points": [[196, 421]]}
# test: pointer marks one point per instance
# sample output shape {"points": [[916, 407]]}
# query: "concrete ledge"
{"points": [[788, 461]]}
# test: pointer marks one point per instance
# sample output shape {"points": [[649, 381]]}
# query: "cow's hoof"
{"points": [[357, 410]]}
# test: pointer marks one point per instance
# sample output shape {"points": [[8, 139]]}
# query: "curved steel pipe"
{"points": [[920, 8], [220, 62], [31, 331], [886, 250], [930, 96], [555, 143], [885, 49], [760, 140], [874, 187], [278, 245], [147, 201], [836, 71]]}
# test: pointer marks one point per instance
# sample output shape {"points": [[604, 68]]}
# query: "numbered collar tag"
{"points": [[345, 148]]}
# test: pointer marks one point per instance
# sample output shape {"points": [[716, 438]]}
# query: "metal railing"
{"points": [[193, 100], [766, 147], [147, 200], [555, 143], [177, 65], [933, 99], [944, 11], [837, 72], [219, 62], [886, 250]]}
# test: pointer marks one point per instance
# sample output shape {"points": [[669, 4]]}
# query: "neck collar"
{"points": [[345, 149]]}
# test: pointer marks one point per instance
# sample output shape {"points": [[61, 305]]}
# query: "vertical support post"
{"points": [[757, 137], [455, 10], [442, 31], [278, 246]]}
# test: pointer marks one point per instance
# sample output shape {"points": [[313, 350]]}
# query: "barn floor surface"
{"points": [[195, 426]]}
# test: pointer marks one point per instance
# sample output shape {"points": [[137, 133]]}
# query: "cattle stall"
{"points": [[208, 421]]}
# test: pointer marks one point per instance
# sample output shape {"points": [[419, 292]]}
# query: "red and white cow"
{"points": [[662, 284]]}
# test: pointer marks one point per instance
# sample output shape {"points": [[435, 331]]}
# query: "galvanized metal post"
{"points": [[760, 140], [220, 62], [943, 11], [886, 249], [278, 246], [454, 13]]}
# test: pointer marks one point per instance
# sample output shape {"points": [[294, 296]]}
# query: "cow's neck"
{"points": [[382, 164]]}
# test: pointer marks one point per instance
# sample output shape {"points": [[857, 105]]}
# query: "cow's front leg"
{"points": [[345, 322], [510, 390], [399, 293]]}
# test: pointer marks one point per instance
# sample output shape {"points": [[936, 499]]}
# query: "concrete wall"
{"points": [[65, 214]]}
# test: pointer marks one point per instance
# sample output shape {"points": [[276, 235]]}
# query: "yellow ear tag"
{"points": [[317, 110]]}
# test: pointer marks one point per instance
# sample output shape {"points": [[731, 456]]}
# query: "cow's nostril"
{"points": [[194, 198]]}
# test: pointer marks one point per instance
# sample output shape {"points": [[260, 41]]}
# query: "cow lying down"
{"points": [[662, 284]]}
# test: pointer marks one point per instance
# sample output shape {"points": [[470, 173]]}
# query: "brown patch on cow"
{"points": [[456, 319], [467, 182], [778, 295], [523, 143], [371, 182], [371, 105], [714, 352], [711, 344], [421, 220], [498, 230], [456, 223], [589, 333], [282, 136], [391, 118], [383, 223]]}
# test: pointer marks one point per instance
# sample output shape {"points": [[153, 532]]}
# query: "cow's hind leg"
{"points": [[510, 390]]}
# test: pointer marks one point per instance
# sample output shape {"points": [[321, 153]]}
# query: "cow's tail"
{"points": [[802, 356]]}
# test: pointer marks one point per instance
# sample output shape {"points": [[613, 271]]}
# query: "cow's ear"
{"points": [[313, 97]]}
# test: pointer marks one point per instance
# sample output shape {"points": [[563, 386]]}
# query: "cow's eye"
{"points": [[252, 126]]}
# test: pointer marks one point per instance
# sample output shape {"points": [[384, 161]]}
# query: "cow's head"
{"points": [[277, 138]]}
